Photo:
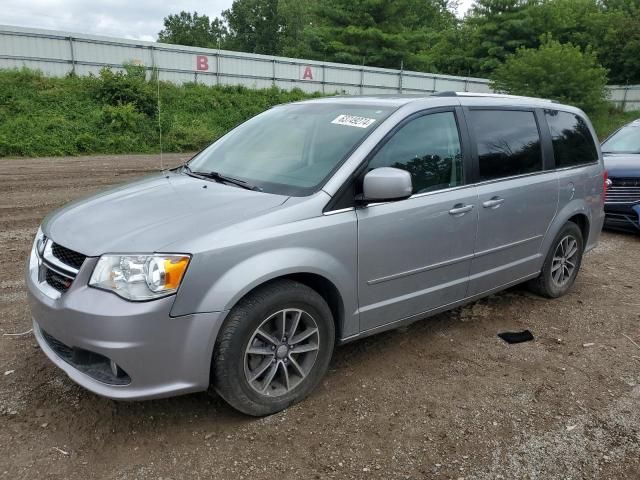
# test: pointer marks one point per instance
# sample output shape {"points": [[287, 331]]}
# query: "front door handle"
{"points": [[495, 202], [460, 209]]}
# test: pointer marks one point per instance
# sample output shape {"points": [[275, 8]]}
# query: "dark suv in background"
{"points": [[622, 160]]}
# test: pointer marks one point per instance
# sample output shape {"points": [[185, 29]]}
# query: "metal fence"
{"points": [[60, 53], [627, 97]]}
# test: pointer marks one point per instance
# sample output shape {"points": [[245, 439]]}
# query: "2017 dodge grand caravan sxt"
{"points": [[312, 224]]}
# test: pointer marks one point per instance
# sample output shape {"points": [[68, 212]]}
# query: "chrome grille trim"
{"points": [[623, 191]]}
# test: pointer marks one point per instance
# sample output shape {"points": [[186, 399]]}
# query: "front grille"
{"points": [[623, 190], [60, 266], [71, 258], [58, 282]]}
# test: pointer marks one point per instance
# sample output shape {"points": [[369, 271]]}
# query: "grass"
{"points": [[117, 113], [606, 123]]}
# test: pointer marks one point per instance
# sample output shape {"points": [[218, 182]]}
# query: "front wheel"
{"points": [[274, 348], [562, 264]]}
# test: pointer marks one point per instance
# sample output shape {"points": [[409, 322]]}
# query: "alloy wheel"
{"points": [[281, 352], [564, 261]]}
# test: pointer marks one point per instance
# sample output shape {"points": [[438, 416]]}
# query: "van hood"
{"points": [[146, 215], [622, 164]]}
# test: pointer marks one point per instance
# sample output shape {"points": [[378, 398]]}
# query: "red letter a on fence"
{"points": [[308, 73]]}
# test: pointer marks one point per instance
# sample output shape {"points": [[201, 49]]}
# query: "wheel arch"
{"points": [[333, 280], [582, 220], [318, 283], [576, 212]]}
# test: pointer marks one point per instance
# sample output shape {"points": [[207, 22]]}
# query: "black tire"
{"points": [[544, 284], [228, 364]]}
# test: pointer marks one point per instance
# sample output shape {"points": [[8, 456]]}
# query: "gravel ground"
{"points": [[443, 398]]}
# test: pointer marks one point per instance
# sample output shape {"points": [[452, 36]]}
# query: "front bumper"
{"points": [[161, 355]]}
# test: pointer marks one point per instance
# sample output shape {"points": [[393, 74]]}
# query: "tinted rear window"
{"points": [[508, 143], [573, 143]]}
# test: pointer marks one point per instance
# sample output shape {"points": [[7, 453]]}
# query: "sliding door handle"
{"points": [[460, 209], [495, 202]]}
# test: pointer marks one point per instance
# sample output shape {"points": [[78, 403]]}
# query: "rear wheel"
{"points": [[562, 264], [274, 348]]}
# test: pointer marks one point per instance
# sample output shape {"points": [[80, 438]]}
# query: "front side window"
{"points": [[291, 149], [625, 140], [428, 147], [508, 143], [572, 141]]}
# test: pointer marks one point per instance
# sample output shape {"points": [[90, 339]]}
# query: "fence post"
{"points": [[324, 72], [73, 56], [154, 71], [434, 85], [400, 77], [362, 80], [217, 55], [624, 98], [273, 72]]}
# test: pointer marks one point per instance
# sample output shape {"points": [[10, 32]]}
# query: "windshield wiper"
{"points": [[218, 177]]}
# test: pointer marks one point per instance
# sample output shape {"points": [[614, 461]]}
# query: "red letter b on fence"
{"points": [[202, 62]]}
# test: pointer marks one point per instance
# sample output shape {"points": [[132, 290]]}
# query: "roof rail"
{"points": [[491, 95]]}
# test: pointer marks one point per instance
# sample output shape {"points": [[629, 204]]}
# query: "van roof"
{"points": [[460, 98]]}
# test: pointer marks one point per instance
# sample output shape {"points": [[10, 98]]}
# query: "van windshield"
{"points": [[291, 149]]}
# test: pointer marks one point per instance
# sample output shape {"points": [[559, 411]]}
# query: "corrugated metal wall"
{"points": [[625, 96], [58, 53]]}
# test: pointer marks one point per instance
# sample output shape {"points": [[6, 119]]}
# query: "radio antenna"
{"points": [[159, 122]]}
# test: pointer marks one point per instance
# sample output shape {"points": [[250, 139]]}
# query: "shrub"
{"points": [[123, 118], [556, 71], [128, 87]]}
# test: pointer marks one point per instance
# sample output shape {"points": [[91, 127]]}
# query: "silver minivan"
{"points": [[312, 224]]}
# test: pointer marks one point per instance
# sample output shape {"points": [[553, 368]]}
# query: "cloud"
{"points": [[138, 19]]}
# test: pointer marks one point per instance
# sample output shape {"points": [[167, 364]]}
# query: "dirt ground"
{"points": [[443, 398]]}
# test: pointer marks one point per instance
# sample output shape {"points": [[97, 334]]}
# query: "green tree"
{"points": [[296, 16], [616, 34], [255, 26], [375, 32], [193, 30], [496, 29], [556, 71]]}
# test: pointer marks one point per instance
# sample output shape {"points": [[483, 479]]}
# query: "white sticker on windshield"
{"points": [[353, 121]]}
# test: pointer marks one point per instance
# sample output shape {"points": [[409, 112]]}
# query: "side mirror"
{"points": [[385, 184]]}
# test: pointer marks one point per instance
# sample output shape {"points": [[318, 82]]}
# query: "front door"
{"points": [[414, 255]]}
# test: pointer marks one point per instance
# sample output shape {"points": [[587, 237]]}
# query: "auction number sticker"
{"points": [[353, 121]]}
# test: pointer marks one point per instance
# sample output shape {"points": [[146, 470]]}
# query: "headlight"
{"points": [[140, 277]]}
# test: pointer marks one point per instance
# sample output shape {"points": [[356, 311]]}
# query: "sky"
{"points": [[137, 19]]}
